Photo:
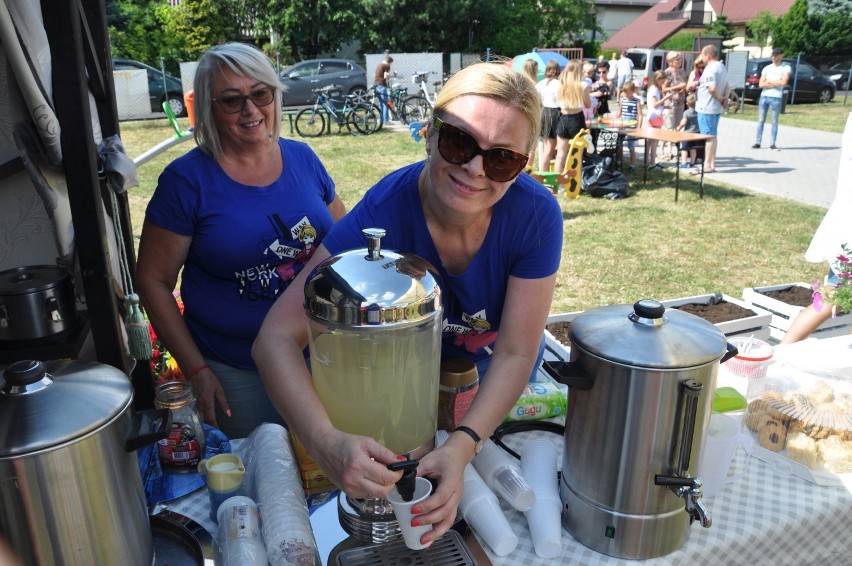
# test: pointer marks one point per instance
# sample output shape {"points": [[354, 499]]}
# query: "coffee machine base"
{"points": [[621, 535]]}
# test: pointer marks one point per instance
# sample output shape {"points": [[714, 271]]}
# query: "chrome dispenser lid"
{"points": [[373, 287]]}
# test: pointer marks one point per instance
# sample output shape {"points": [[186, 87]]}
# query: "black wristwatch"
{"points": [[472, 433]]}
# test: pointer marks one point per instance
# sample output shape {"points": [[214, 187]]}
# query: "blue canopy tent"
{"points": [[540, 57]]}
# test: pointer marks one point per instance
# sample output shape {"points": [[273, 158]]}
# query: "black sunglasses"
{"points": [[234, 103], [458, 147]]}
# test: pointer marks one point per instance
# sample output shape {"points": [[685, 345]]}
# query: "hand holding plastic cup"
{"points": [[402, 511]]}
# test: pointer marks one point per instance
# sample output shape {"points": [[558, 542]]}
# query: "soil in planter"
{"points": [[795, 295], [720, 312], [560, 332]]}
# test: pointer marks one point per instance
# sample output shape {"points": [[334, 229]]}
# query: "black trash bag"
{"points": [[600, 180]]}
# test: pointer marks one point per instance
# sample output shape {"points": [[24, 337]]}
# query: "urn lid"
{"points": [[647, 335], [371, 287]]}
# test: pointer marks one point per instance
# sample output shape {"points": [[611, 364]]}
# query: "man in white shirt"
{"points": [[624, 70], [773, 79], [711, 100]]}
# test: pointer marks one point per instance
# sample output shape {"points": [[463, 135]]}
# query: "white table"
{"points": [[764, 517]]}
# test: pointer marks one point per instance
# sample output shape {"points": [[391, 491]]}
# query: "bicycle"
{"points": [[359, 118], [418, 107], [395, 101]]}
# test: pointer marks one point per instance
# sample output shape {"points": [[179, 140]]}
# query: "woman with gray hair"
{"points": [[494, 236], [237, 218]]}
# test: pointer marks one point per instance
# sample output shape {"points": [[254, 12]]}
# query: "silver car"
{"points": [[299, 80]]}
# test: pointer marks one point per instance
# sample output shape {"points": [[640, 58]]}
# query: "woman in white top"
{"points": [[656, 104], [547, 88]]}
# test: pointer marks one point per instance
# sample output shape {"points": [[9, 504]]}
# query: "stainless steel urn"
{"points": [[642, 381]]}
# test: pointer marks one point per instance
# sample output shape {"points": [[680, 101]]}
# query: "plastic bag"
{"points": [[601, 181]]}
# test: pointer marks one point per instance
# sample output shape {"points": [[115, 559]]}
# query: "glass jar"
{"points": [[183, 448], [459, 384]]}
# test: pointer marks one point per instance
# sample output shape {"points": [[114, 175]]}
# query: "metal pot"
{"points": [[642, 383], [70, 487], [36, 302]]}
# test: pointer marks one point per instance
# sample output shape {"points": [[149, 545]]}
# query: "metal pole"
{"points": [[796, 77], [163, 70]]}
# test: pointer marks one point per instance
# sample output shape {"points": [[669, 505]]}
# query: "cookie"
{"points": [[803, 449], [772, 436], [756, 419], [837, 454], [820, 392]]}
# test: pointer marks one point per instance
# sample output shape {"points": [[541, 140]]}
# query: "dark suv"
{"points": [[811, 85], [299, 80]]}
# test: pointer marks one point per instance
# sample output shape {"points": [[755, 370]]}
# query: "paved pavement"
{"points": [[804, 169]]}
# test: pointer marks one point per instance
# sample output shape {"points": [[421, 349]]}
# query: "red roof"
{"points": [[647, 30]]}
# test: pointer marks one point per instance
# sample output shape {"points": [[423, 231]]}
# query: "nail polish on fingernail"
{"points": [[400, 457], [228, 412], [415, 523], [415, 510]]}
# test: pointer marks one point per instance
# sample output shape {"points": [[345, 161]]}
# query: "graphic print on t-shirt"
{"points": [[477, 334], [290, 249]]}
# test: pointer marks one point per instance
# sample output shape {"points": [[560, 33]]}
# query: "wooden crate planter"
{"points": [[784, 313], [561, 349], [756, 326]]}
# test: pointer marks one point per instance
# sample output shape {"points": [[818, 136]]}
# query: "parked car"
{"points": [[839, 73], [811, 85], [299, 80], [172, 91]]}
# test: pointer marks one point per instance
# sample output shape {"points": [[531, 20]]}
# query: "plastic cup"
{"points": [[545, 524], [481, 510], [538, 464], [751, 362], [719, 449], [402, 511]]}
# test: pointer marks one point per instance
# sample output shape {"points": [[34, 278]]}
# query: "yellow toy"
{"points": [[571, 177]]}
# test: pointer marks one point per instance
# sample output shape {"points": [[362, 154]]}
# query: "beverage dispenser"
{"points": [[375, 344]]}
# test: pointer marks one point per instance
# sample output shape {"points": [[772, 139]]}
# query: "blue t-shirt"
{"points": [[248, 242], [524, 239]]}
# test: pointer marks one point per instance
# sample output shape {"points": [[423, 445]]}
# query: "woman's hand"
{"points": [[356, 464], [208, 392], [446, 465]]}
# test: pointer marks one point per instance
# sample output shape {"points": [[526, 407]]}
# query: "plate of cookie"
{"points": [[802, 424]]}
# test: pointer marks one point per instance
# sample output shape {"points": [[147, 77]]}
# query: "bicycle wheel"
{"points": [[416, 109], [310, 123], [374, 107], [362, 120]]}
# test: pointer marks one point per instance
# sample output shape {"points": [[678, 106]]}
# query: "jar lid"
{"points": [[647, 335], [373, 287], [31, 279], [46, 404]]}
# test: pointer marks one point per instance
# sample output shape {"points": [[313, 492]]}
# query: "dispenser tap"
{"points": [[688, 489], [406, 484]]}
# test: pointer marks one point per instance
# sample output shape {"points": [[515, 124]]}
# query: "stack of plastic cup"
{"points": [[751, 362], [504, 476], [481, 510], [538, 463]]}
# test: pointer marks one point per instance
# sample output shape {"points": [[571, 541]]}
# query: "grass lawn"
{"points": [[829, 117], [645, 246]]}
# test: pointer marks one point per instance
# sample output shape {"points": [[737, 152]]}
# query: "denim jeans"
{"points": [[773, 104], [250, 405], [382, 92]]}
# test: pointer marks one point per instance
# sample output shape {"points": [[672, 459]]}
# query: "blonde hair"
{"points": [[659, 76], [571, 86], [690, 100], [244, 61], [497, 82], [531, 70], [552, 70], [629, 87]]}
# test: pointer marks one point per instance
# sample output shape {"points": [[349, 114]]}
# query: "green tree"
{"points": [[681, 41], [723, 28], [303, 29], [794, 33], [761, 27]]}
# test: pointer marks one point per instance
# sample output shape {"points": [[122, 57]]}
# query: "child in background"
{"points": [[630, 110], [589, 79], [689, 123]]}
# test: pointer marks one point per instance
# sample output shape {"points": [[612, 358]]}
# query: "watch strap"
{"points": [[471, 433]]}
